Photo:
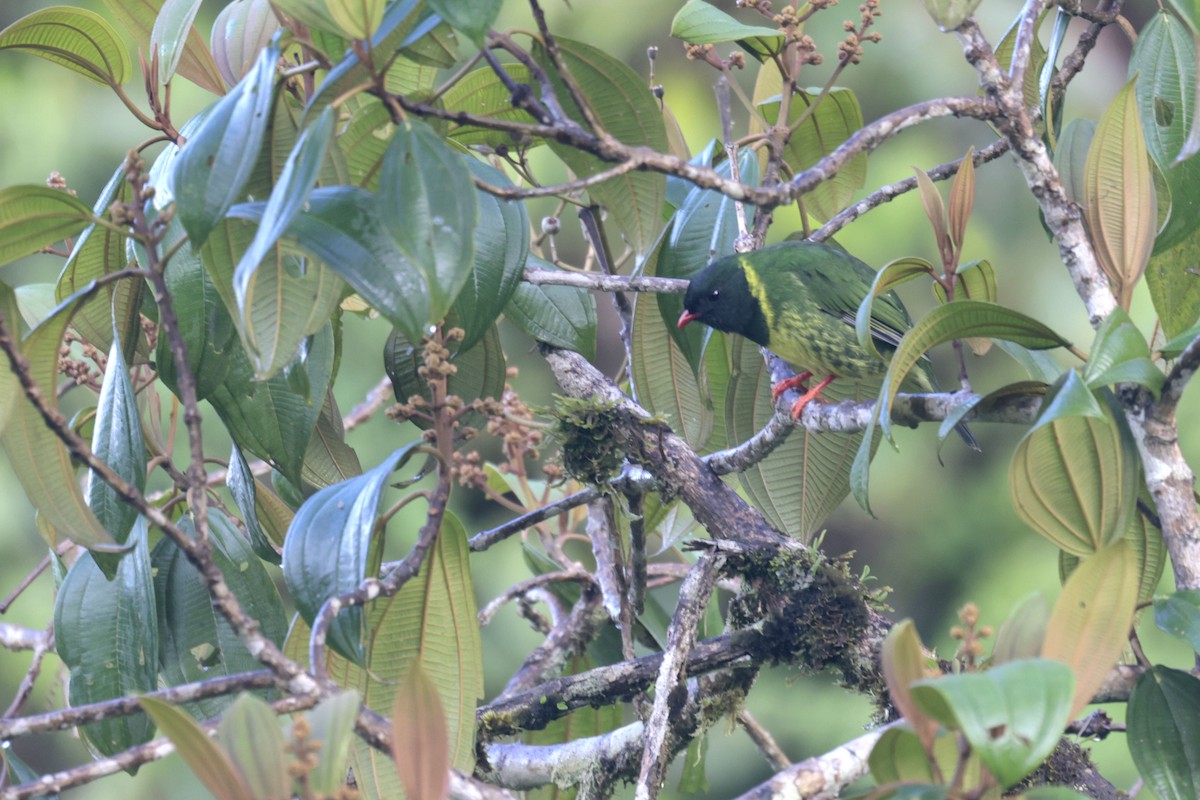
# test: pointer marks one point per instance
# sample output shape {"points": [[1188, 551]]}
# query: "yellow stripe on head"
{"points": [[759, 290]]}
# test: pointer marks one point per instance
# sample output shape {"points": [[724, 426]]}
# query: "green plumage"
{"points": [[798, 299]]}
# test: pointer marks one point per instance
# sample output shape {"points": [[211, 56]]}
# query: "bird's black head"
{"points": [[720, 297]]}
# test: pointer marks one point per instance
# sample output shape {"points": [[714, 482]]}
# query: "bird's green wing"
{"points": [[838, 282]]}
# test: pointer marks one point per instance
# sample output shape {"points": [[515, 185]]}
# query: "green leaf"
{"points": [[1190, 11], [343, 227], [663, 381], [703, 228], [240, 31], [249, 733], [117, 441], [212, 169], [899, 756], [40, 460], [211, 764], [1021, 635], [1120, 354], [195, 642], [893, 274], [171, 27], [332, 723], [1164, 59], [137, 17], [1119, 201], [821, 122], [700, 23], [431, 210], [357, 19], [329, 546], [501, 249], [1013, 715], [364, 141], [328, 458], [288, 196], [804, 479], [1070, 157], [1179, 615], [1089, 625], [100, 250], [1074, 479], [949, 14], [561, 316], [275, 419], [472, 17], [625, 108], [35, 217], [1164, 732], [313, 13], [243, 487], [78, 39], [1175, 288], [480, 372], [433, 619], [482, 93], [10, 387], [960, 319], [106, 635]]}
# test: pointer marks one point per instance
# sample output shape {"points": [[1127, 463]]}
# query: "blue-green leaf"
{"points": [[213, 167], [562, 316], [1179, 615], [472, 17], [1164, 732], [117, 441], [329, 545]]}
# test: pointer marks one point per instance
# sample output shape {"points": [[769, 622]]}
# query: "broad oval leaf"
{"points": [[1089, 624], [167, 37], [472, 17], [34, 217], [195, 642], [1164, 59], [663, 381], [1179, 615], [1021, 635], [701, 23], [1174, 290], [117, 441], [561, 316], [1121, 354], [358, 19], [501, 249], [332, 723], [483, 93], [429, 204], [1164, 732], [1013, 715], [891, 275], [433, 619], [80, 40], [212, 169], [625, 108], [960, 319], [1119, 200], [420, 741], [137, 17], [329, 545], [210, 762], [903, 663], [479, 372], [803, 480], [1074, 480], [107, 635], [343, 228], [40, 460], [249, 732]]}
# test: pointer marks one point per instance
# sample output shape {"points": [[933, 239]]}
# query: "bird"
{"points": [[799, 299]]}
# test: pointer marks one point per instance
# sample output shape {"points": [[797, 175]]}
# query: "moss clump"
{"points": [[583, 429]]}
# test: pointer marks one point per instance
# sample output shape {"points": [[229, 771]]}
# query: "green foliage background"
{"points": [[960, 541]]}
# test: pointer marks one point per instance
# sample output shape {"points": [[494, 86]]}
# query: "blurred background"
{"points": [[945, 533]]}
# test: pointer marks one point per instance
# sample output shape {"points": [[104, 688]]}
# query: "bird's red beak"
{"points": [[686, 317]]}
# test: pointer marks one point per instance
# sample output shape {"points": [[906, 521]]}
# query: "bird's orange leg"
{"points": [[812, 394], [794, 382]]}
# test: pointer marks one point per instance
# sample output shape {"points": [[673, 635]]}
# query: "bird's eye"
{"points": [[714, 294]]}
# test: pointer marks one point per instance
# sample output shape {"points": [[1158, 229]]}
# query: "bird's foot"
{"points": [[810, 395], [794, 382]]}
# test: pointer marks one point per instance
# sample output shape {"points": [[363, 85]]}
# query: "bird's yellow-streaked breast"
{"points": [[759, 290]]}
